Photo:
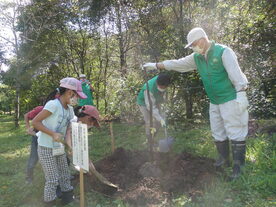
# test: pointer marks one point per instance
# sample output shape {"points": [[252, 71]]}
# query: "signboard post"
{"points": [[80, 152], [112, 137]]}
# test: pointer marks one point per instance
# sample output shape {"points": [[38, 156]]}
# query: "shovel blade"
{"points": [[164, 145]]}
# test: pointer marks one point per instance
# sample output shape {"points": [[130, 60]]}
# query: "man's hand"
{"points": [[149, 66], [242, 100], [163, 123]]}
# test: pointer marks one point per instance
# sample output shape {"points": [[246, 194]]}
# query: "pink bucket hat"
{"points": [[73, 84], [93, 112]]}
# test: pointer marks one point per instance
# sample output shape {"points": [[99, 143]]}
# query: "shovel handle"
{"points": [[166, 132]]}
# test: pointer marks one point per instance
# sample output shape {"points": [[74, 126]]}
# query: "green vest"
{"points": [[215, 78], [153, 89], [86, 90]]}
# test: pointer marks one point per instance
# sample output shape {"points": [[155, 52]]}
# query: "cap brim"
{"points": [[188, 45], [81, 95]]}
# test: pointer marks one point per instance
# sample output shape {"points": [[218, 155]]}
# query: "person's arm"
{"points": [[68, 134], [155, 111], [233, 69], [68, 138], [184, 64], [27, 121], [29, 129], [236, 76], [91, 88], [37, 123]]}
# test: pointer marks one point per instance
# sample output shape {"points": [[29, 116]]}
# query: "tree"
{"points": [[10, 12], [109, 40]]}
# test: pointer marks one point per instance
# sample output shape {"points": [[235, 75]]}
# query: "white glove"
{"points": [[242, 100], [149, 66], [163, 123]]}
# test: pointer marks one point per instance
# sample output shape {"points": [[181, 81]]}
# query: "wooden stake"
{"points": [[81, 189], [112, 137]]}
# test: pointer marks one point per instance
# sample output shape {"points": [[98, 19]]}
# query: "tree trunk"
{"points": [[105, 69], [188, 104], [187, 95], [16, 108], [121, 40], [189, 107]]}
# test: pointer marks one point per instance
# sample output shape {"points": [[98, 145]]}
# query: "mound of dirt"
{"points": [[144, 183]]}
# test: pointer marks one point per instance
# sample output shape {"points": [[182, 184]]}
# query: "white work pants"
{"points": [[146, 115], [228, 121]]}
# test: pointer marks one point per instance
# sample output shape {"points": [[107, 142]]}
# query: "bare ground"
{"points": [[144, 183]]}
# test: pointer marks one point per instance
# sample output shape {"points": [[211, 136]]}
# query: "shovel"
{"points": [[93, 170], [101, 177], [164, 145]]}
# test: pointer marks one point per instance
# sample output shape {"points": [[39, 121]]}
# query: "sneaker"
{"points": [[68, 197], [58, 192]]}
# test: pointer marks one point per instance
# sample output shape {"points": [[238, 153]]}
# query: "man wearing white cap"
{"points": [[225, 85]]}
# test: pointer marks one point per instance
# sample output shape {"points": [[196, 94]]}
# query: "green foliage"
{"points": [[6, 96], [13, 154], [261, 153], [109, 40], [255, 188]]}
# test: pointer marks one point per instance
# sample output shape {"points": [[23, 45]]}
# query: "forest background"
{"points": [[109, 40]]}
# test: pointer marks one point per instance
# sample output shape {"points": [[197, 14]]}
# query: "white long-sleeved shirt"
{"points": [[229, 60], [155, 110]]}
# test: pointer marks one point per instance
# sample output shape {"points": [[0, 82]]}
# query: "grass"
{"points": [[257, 187]]}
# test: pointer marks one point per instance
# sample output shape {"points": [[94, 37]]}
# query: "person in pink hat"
{"points": [[52, 124], [86, 114]]}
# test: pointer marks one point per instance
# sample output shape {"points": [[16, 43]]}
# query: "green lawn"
{"points": [[257, 187]]}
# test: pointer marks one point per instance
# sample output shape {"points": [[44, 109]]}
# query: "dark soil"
{"points": [[138, 183]]}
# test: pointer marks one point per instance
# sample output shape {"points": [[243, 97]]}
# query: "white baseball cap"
{"points": [[195, 34], [82, 76]]}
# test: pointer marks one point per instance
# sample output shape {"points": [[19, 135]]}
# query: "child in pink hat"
{"points": [[52, 124], [86, 114]]}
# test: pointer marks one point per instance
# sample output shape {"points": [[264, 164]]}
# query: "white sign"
{"points": [[80, 145]]}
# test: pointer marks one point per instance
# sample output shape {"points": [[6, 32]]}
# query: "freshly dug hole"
{"points": [[145, 183]]}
